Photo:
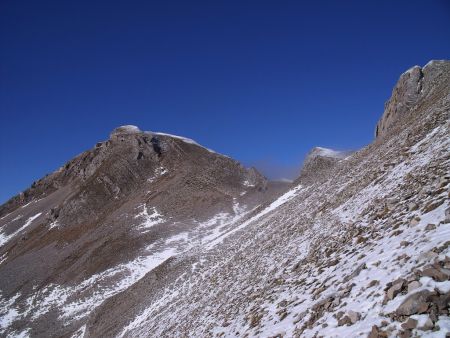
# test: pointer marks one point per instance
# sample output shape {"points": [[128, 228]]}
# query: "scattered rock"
{"points": [[405, 334], [428, 325], [373, 283], [412, 206], [431, 206], [414, 221], [414, 304], [394, 290], [447, 215], [430, 227], [344, 321], [413, 285], [396, 233], [438, 274], [354, 316], [409, 324], [333, 262], [405, 243], [349, 319], [428, 256], [361, 239], [374, 333]]}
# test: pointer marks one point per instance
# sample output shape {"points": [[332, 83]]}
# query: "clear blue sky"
{"points": [[261, 81]]}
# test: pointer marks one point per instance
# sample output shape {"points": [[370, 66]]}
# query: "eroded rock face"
{"points": [[413, 86], [319, 164], [113, 211]]}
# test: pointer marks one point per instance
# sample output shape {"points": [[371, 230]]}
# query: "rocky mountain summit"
{"points": [[110, 215], [153, 235], [319, 163]]}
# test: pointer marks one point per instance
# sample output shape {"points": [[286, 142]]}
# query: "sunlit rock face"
{"points": [[411, 90]]}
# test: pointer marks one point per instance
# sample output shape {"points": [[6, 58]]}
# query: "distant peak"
{"points": [[127, 129], [326, 152]]}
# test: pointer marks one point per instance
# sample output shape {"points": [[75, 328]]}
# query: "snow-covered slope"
{"points": [[177, 241], [362, 252], [337, 260]]}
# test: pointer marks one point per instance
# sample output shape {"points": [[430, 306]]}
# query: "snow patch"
{"points": [[6, 238], [326, 152], [150, 219], [184, 139], [160, 171]]}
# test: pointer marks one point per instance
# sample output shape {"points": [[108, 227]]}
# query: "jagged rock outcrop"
{"points": [[414, 86], [319, 163]]}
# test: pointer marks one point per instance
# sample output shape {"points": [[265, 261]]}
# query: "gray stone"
{"points": [[409, 324], [344, 321], [354, 316], [412, 206], [430, 227], [394, 290], [438, 274], [428, 256], [414, 221], [414, 304], [447, 215], [428, 325], [414, 285]]}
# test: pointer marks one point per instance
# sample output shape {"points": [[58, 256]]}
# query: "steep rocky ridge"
{"points": [[128, 203], [416, 87], [362, 252], [358, 246]]}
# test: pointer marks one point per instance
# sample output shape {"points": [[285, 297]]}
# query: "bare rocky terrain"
{"points": [[153, 235]]}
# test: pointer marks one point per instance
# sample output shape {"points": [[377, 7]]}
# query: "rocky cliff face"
{"points": [[412, 89], [152, 235]]}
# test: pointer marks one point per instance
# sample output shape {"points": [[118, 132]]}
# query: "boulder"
{"points": [[413, 285], [354, 316], [447, 215], [409, 324], [438, 274], [415, 303], [428, 325], [430, 227], [394, 290], [377, 333]]}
